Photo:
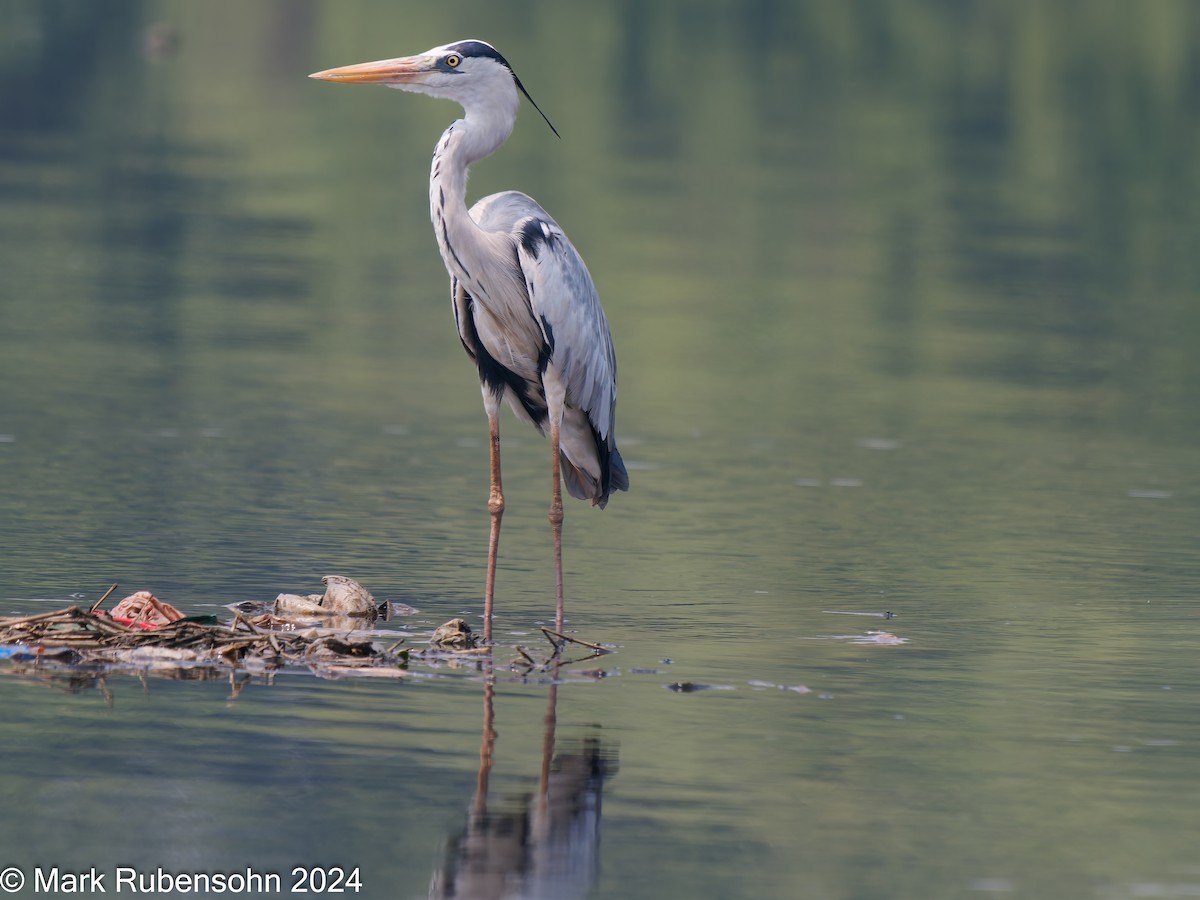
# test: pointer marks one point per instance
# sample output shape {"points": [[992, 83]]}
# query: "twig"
{"points": [[64, 615], [548, 632], [101, 623], [100, 602], [239, 619], [528, 659]]}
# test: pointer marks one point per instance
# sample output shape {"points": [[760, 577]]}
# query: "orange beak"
{"points": [[405, 70]]}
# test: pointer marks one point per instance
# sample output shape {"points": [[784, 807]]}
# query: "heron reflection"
{"points": [[545, 844]]}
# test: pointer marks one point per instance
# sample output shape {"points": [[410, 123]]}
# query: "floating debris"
{"points": [[346, 597], [562, 639], [689, 687], [143, 610], [331, 635], [455, 633], [343, 597], [145, 632], [19, 651], [390, 608], [881, 638], [77, 637], [293, 606], [528, 664]]}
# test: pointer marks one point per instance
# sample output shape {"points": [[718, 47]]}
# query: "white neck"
{"points": [[467, 140]]}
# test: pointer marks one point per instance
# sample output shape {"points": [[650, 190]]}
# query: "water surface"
{"points": [[904, 304]]}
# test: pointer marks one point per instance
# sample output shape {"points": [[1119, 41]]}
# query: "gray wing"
{"points": [[578, 343]]}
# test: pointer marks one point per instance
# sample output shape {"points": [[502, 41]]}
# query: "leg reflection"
{"points": [[542, 845]]}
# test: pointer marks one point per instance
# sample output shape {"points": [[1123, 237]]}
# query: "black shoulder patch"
{"points": [[534, 237]]}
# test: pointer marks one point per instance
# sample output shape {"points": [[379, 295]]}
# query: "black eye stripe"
{"points": [[477, 49], [480, 50]]}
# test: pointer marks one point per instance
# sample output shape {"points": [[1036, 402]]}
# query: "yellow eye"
{"points": [[453, 60]]}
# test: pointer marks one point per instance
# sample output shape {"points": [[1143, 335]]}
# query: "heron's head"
{"points": [[471, 73]]}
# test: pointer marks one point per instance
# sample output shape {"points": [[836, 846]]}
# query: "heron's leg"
{"points": [[556, 395], [556, 520], [496, 509]]}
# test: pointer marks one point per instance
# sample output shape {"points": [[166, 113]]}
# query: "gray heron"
{"points": [[525, 306]]}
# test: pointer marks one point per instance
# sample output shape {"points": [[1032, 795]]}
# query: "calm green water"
{"points": [[905, 302]]}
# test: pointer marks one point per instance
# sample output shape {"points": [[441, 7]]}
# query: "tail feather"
{"points": [[583, 486], [618, 478]]}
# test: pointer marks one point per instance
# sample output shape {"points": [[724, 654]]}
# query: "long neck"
{"points": [[467, 140], [448, 173]]}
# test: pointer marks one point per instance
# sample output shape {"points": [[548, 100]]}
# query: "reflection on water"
{"points": [[75, 679], [324, 757], [546, 844]]}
